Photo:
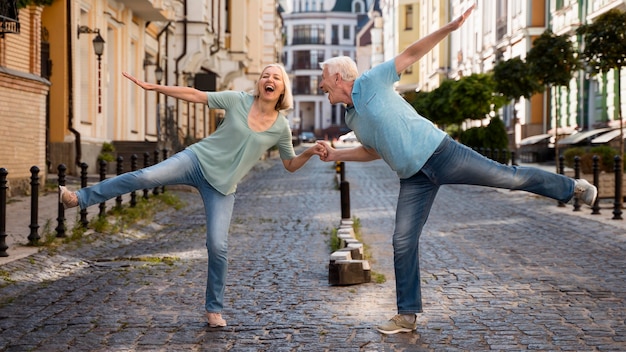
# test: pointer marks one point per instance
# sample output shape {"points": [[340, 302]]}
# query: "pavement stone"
{"points": [[501, 270]]}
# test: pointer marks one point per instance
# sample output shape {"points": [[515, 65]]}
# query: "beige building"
{"points": [[61, 101]]}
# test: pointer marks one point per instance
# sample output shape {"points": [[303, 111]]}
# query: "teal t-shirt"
{"points": [[381, 119], [233, 149]]}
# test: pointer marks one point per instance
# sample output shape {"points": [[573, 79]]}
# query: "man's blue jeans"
{"points": [[183, 169], [454, 163]]}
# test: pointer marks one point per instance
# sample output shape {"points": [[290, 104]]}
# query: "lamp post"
{"points": [[98, 48]]}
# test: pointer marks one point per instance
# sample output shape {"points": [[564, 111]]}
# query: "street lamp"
{"points": [[158, 74], [98, 48]]}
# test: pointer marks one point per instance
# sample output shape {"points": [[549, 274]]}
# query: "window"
{"points": [[346, 32], [305, 59], [308, 34], [408, 17]]}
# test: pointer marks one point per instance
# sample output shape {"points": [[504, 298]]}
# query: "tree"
{"points": [[552, 62], [513, 80], [604, 49], [474, 97], [441, 109]]}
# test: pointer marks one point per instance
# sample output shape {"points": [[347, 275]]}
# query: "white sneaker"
{"points": [[585, 191]]}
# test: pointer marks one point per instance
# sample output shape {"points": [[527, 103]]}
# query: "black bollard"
{"points": [[146, 163], [576, 176], [617, 204], [164, 157], [120, 170], [3, 212], [344, 187], [596, 182], [342, 171], [155, 191], [61, 209], [83, 183], [513, 161], [103, 176], [561, 168], [133, 167], [33, 236]]}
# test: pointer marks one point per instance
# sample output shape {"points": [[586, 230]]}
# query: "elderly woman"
{"points": [[253, 123]]}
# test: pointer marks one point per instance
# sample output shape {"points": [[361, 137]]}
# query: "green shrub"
{"points": [[107, 153], [605, 154]]}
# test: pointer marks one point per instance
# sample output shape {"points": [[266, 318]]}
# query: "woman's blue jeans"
{"points": [[454, 163], [183, 169]]}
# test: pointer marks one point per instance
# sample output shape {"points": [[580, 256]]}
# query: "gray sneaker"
{"points": [[397, 324], [585, 191]]}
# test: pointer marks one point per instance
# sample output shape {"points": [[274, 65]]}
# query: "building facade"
{"points": [[315, 31], [62, 93]]}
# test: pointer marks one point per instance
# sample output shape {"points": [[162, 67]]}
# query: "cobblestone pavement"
{"points": [[501, 270]]}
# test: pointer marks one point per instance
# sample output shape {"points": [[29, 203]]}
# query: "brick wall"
{"points": [[22, 102]]}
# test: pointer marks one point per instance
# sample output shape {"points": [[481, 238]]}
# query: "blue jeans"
{"points": [[453, 163], [183, 169]]}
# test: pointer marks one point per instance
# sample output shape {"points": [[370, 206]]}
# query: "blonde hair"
{"points": [[343, 65], [285, 102]]}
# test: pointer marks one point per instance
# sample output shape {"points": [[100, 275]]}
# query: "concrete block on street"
{"points": [[349, 272]]}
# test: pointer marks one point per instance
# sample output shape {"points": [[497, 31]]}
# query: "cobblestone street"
{"points": [[501, 271]]}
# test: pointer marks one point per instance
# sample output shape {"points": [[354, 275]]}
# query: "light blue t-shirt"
{"points": [[233, 149], [381, 119]]}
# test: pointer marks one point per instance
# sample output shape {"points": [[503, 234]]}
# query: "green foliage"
{"points": [[605, 42], [473, 137], [605, 153], [440, 107], [107, 153], [495, 136], [513, 80], [473, 96], [492, 136], [24, 3], [552, 59]]}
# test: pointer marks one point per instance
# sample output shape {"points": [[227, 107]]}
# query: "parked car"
{"points": [[308, 137], [348, 137]]}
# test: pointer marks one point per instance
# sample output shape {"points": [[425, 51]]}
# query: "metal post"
{"points": [[3, 212], [103, 176], [133, 167], [33, 237], [344, 187], [120, 170], [146, 163], [83, 183], [617, 204], [562, 172], [576, 176], [596, 182], [155, 191], [61, 209]]}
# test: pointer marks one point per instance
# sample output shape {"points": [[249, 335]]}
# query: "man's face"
{"points": [[329, 84]]}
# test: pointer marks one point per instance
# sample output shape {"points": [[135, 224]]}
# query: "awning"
{"points": [[607, 137], [581, 136], [535, 139]]}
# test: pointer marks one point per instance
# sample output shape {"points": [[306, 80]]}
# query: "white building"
{"points": [[315, 31]]}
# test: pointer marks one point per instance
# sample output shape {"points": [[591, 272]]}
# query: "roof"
{"points": [[607, 137], [581, 136], [535, 139]]}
